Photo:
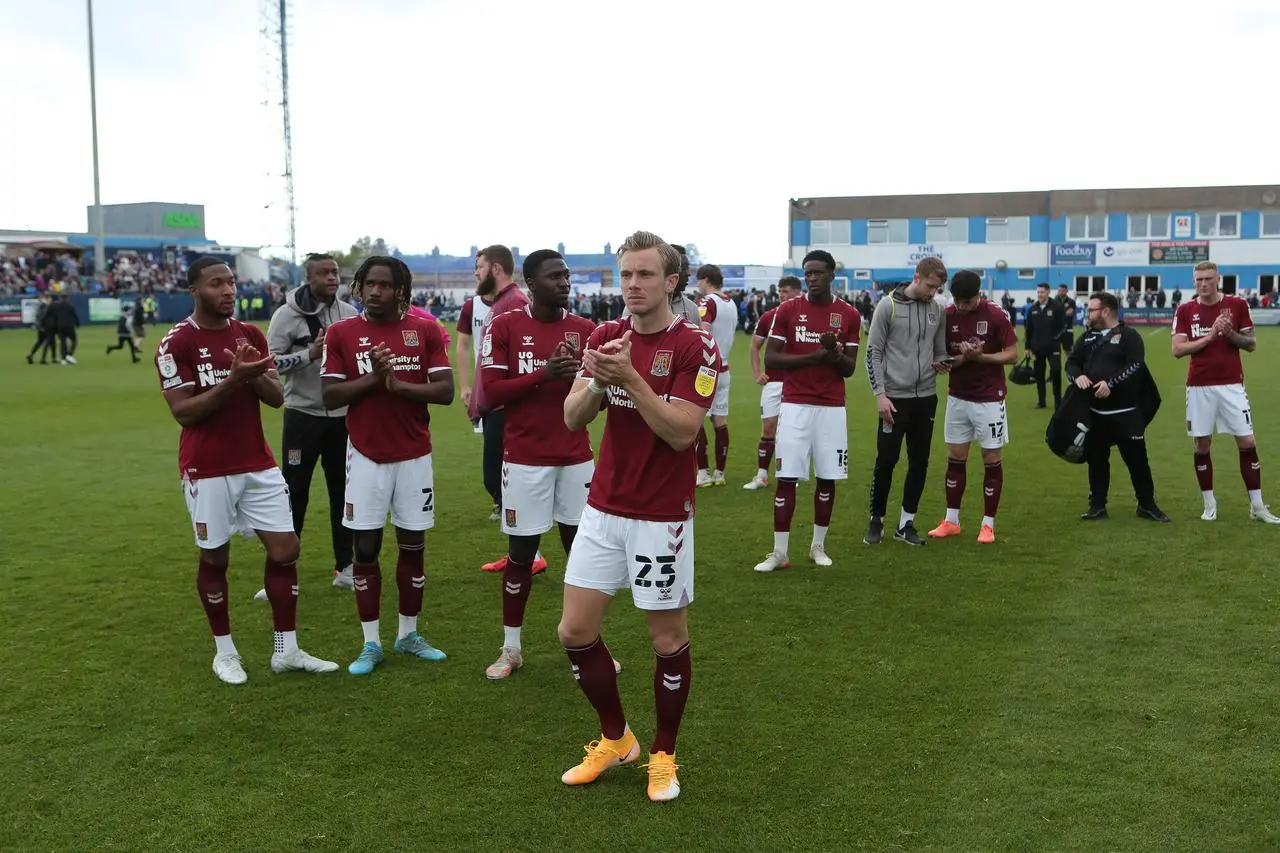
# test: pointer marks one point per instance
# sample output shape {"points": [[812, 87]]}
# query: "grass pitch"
{"points": [[1076, 686]]}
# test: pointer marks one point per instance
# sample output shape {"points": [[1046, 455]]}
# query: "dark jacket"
{"points": [[65, 318], [1068, 306], [1118, 357], [1044, 327], [45, 318]]}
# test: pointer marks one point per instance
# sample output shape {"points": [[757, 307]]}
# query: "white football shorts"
{"points": [[816, 433], [1223, 409], [720, 403], [237, 503], [967, 421], [536, 497], [405, 489], [770, 400], [653, 558]]}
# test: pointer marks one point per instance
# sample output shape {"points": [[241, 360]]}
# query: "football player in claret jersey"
{"points": [[980, 341], [719, 317], [813, 342], [215, 373], [1212, 328], [529, 359], [655, 375], [771, 386], [386, 366]]}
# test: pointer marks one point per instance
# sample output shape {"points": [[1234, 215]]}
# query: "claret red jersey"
{"points": [[762, 331], [381, 425], [518, 344], [638, 475], [988, 327], [1219, 362], [800, 324], [229, 441]]}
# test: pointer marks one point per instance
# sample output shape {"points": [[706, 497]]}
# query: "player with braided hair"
{"points": [[401, 280], [386, 366]]}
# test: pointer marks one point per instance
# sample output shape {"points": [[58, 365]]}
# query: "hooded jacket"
{"points": [[290, 336], [907, 337]]}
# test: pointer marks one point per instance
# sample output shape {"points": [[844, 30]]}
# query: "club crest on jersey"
{"points": [[410, 337], [661, 363], [982, 327], [835, 321], [202, 531], [511, 518], [242, 342], [574, 342], [705, 382]]}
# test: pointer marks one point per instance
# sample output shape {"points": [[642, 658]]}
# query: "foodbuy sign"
{"points": [[1073, 254]]}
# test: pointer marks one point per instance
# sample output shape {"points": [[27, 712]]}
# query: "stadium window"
{"points": [[1229, 284], [1270, 225], [1090, 283], [1144, 282], [1267, 284], [1218, 225], [1087, 226], [1026, 274], [1148, 226], [887, 231], [830, 232], [1009, 229], [946, 230]]}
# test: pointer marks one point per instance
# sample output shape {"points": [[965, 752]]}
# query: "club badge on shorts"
{"points": [[202, 531], [410, 337], [511, 518], [295, 456], [351, 511], [661, 363], [705, 382]]}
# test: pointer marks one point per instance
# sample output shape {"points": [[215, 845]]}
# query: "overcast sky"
{"points": [[458, 122]]}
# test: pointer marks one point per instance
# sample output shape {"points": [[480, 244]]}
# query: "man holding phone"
{"points": [[906, 350]]}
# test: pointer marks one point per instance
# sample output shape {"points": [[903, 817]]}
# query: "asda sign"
{"points": [[182, 219]]}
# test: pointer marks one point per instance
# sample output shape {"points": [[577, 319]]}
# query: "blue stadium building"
{"points": [[1106, 239]]}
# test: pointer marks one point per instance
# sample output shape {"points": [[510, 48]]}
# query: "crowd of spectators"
{"points": [[31, 273]]}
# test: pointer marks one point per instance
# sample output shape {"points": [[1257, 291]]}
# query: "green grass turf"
{"points": [[1074, 687]]}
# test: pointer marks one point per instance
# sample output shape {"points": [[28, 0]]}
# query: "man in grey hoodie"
{"points": [[312, 432], [906, 350]]}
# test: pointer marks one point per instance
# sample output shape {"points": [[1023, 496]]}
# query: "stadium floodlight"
{"points": [[99, 251]]}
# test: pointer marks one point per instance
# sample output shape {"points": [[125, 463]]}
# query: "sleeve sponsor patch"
{"points": [[168, 367], [705, 382], [171, 383], [486, 348]]}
